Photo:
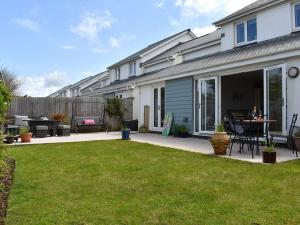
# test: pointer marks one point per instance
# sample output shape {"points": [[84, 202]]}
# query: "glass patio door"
{"points": [[158, 108], [275, 97], [207, 97]]}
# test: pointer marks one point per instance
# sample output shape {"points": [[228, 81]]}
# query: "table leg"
{"points": [[257, 142]]}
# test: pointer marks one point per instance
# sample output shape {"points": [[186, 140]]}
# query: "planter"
{"points": [[182, 135], [220, 142], [25, 138], [269, 157], [125, 134], [10, 140], [297, 143]]}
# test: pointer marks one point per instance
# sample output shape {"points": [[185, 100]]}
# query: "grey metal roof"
{"points": [[197, 42], [265, 48], [254, 6], [144, 50]]}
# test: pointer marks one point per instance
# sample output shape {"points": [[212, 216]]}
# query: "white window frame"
{"points": [[132, 66], [118, 73], [294, 16], [245, 32]]}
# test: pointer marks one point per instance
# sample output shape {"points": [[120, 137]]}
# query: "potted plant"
{"points": [[125, 133], [180, 130], [297, 139], [25, 135], [269, 154], [10, 138], [220, 140]]}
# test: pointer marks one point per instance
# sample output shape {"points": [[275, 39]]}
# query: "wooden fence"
{"points": [[79, 106]]}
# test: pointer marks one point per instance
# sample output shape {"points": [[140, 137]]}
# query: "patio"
{"points": [[192, 144]]}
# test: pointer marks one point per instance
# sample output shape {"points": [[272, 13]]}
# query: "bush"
{"points": [[60, 117], [24, 130], [180, 130]]}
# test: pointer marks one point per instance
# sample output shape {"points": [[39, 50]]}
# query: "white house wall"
{"points": [[273, 22], [293, 92]]}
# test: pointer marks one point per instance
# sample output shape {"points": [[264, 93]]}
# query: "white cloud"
{"points": [[200, 31], [194, 8], [40, 86], [114, 42], [91, 24], [27, 23], [67, 47], [159, 3]]}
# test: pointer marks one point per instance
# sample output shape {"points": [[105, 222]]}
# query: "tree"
{"points": [[10, 80]]}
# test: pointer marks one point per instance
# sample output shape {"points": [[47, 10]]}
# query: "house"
{"points": [[255, 63], [81, 86], [252, 59]]}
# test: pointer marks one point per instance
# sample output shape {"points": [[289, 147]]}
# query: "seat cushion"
{"points": [[19, 121], [88, 122]]}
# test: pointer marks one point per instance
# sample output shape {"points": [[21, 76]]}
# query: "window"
{"points": [[246, 32], [297, 16], [118, 73], [132, 68]]}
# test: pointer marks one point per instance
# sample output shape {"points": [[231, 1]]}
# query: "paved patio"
{"points": [[192, 144]]}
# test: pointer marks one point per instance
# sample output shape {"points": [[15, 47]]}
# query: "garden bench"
{"points": [[78, 122]]}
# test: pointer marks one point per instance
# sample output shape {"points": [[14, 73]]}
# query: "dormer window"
{"points": [[118, 73], [246, 32], [132, 68], [297, 16]]}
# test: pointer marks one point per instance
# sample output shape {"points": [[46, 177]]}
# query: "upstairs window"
{"points": [[246, 32], [132, 68], [118, 74], [297, 16]]}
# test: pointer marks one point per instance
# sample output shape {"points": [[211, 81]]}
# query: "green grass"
{"points": [[117, 182]]}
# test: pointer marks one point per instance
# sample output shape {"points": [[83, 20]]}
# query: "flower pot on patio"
{"points": [[269, 154], [125, 134], [25, 135], [220, 142]]}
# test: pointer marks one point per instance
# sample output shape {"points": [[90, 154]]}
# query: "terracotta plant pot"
{"points": [[25, 138], [220, 142], [269, 157]]}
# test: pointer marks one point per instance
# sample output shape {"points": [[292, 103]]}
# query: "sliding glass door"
{"points": [[205, 105], [158, 108], [275, 97]]}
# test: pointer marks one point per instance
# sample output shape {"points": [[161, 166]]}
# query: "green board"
{"points": [[167, 124]]}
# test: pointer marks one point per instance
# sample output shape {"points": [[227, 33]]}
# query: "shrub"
{"points": [[60, 117], [24, 130], [179, 130], [115, 108], [220, 128], [270, 148]]}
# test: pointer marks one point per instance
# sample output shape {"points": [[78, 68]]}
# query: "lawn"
{"points": [[117, 182]]}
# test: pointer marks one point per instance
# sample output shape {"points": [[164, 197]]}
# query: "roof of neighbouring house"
{"points": [[192, 44], [148, 48], [247, 10]]}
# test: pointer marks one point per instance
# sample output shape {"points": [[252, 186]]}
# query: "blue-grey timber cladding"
{"points": [[179, 101]]}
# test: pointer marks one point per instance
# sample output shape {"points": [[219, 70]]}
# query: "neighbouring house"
{"points": [[78, 88]]}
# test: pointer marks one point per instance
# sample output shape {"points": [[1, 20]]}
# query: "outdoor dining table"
{"points": [[51, 124], [256, 123]]}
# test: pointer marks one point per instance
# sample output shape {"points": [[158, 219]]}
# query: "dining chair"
{"points": [[289, 138]]}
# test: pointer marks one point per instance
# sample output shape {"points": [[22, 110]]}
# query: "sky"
{"points": [[50, 44]]}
